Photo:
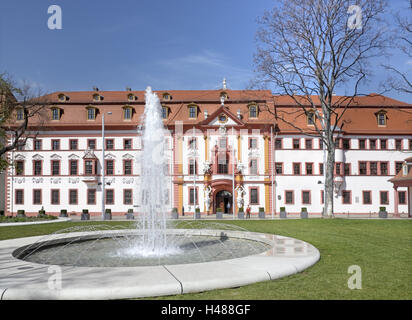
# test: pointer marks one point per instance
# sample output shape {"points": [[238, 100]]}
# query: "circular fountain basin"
{"points": [[93, 265]]}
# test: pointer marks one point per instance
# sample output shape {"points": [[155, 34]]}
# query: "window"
{"points": [[384, 197], [131, 97], [410, 144], [55, 113], [346, 197], [127, 144], [192, 166], [367, 197], [362, 168], [167, 96], [55, 196], [37, 144], [253, 169], [296, 143], [55, 144], [91, 196], [91, 144], [109, 196], [398, 144], [193, 194], [73, 144], [253, 111], [346, 169], [61, 97], [310, 118], [55, 167], [279, 168], [37, 165], [346, 144], [96, 97], [337, 168], [222, 144], [88, 167], [321, 144], [91, 113], [109, 167], [254, 197], [73, 165], [308, 144], [309, 168], [289, 198], [362, 144], [20, 114], [383, 168], [73, 196], [127, 113], [165, 112], [37, 196], [192, 143], [372, 144], [322, 196], [398, 167], [252, 143], [223, 118], [127, 167], [109, 144], [402, 197], [19, 196], [127, 196], [373, 168], [321, 168], [305, 197], [222, 165], [278, 144], [381, 118], [384, 144], [192, 112], [19, 168], [296, 168], [337, 142]]}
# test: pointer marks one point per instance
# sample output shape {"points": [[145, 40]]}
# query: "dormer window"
{"points": [[91, 113], [224, 95], [381, 118], [222, 118], [56, 113], [167, 96], [97, 97], [20, 114], [253, 110], [131, 97], [310, 117], [62, 97], [192, 111], [127, 113], [165, 112]]}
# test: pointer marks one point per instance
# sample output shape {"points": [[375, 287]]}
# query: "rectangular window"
{"points": [[362, 144], [91, 196], [410, 144], [222, 144], [309, 168], [367, 197], [296, 143], [91, 114], [346, 144], [192, 112], [192, 143], [346, 197], [127, 144], [384, 144], [252, 143], [55, 164], [37, 167], [337, 143], [73, 196], [91, 144], [19, 167], [253, 166], [402, 197], [109, 144], [346, 169], [398, 144], [373, 168], [320, 144], [88, 167], [321, 168], [362, 168], [19, 196], [289, 198], [127, 113], [222, 165], [337, 168], [254, 198], [164, 113], [278, 144], [73, 164], [109, 167], [383, 168], [384, 197], [381, 119], [372, 144], [305, 197], [55, 114], [19, 114], [37, 144], [279, 168], [308, 144], [398, 167], [192, 195], [127, 196], [109, 196], [322, 196], [55, 144], [253, 112], [127, 167], [55, 196], [192, 166], [37, 196], [73, 144], [296, 168]]}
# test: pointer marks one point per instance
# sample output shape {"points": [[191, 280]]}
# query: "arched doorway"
{"points": [[224, 200]]}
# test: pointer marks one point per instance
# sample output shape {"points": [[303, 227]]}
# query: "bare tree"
{"points": [[22, 113], [308, 49]]}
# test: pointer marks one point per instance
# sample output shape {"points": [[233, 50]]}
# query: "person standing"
{"points": [[248, 212]]}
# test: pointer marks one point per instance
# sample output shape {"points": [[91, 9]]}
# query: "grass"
{"points": [[8, 219], [382, 248]]}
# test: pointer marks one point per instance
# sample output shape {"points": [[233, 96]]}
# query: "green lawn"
{"points": [[382, 248]]}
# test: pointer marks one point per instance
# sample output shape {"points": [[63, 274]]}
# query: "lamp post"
{"points": [[103, 168]]}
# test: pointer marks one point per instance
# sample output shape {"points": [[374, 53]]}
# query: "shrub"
{"points": [[241, 209], [85, 211], [261, 209], [108, 211], [197, 209], [282, 208], [21, 213], [219, 210], [304, 209], [129, 210], [382, 208]]}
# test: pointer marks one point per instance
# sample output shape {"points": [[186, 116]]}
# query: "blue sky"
{"points": [[180, 44]]}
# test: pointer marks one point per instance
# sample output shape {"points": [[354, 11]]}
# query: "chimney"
{"points": [[239, 116], [206, 114], [95, 89], [128, 89]]}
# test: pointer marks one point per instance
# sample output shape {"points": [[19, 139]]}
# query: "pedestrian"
{"points": [[248, 212], [183, 211], [228, 207]]}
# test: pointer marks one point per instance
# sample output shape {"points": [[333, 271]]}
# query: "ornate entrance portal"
{"points": [[224, 200]]}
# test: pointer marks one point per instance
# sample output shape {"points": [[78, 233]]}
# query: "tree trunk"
{"points": [[330, 165]]}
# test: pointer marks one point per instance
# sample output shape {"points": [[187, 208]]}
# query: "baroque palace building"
{"points": [[224, 149]]}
